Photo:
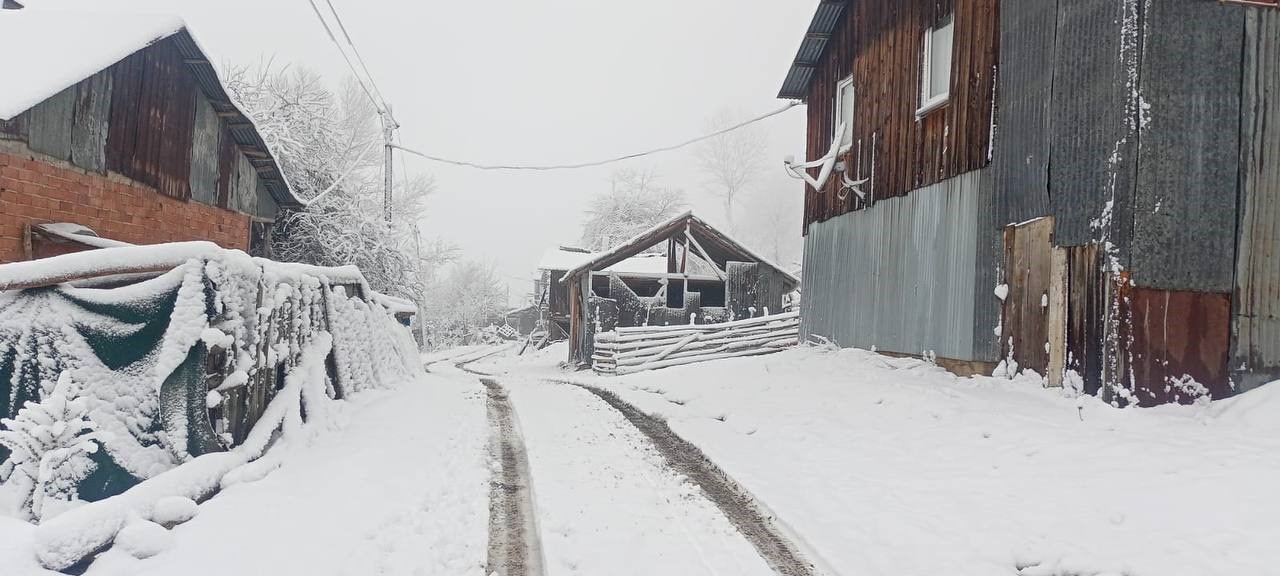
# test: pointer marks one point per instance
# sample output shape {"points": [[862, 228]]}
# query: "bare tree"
{"points": [[634, 203], [464, 302], [733, 161], [319, 137]]}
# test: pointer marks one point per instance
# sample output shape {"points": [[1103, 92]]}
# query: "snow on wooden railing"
{"points": [[629, 350]]}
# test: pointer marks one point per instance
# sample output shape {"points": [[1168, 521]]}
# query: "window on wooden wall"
{"points": [[935, 65], [844, 112]]}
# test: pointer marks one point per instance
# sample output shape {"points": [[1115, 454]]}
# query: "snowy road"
{"points": [[607, 502]]}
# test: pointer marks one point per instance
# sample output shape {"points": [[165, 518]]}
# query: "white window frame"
{"points": [[846, 140], [929, 103]]}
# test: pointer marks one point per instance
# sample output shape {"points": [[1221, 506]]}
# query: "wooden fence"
{"points": [[628, 350]]}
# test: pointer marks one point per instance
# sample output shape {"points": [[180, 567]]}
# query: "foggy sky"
{"points": [[536, 81]]}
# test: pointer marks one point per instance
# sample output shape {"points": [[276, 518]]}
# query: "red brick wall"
{"points": [[35, 190]]}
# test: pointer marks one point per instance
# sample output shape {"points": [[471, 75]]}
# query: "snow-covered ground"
{"points": [[398, 486], [606, 501], [871, 465], [893, 466]]}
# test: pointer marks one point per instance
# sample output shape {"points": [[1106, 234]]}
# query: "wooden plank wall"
{"points": [[880, 44], [152, 120]]}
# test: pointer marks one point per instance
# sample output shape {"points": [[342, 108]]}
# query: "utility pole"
{"points": [[388, 133]]}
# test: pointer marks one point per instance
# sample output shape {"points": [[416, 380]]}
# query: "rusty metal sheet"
{"points": [[91, 118], [1176, 335], [49, 125], [1255, 356], [206, 139]]}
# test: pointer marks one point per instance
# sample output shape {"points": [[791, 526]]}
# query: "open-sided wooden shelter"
{"points": [[709, 277]]}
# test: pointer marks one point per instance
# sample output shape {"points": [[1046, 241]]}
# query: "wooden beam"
{"points": [[656, 276], [704, 255]]}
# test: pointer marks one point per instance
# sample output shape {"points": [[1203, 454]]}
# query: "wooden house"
{"points": [[116, 129], [1084, 189], [701, 276]]}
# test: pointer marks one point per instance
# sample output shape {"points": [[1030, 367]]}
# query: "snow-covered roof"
{"points": [[562, 259], [47, 52], [720, 246]]}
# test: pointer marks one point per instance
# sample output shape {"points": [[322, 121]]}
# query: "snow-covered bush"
{"points": [[466, 300], [49, 442]]}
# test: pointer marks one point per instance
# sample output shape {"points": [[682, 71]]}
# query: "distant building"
{"points": [[1089, 189], [702, 275], [118, 127]]}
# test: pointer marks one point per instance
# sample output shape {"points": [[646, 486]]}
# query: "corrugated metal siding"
{"points": [[1020, 158], [1257, 298], [91, 122], [987, 273], [204, 152], [1093, 143], [1188, 161], [899, 276], [49, 125]]}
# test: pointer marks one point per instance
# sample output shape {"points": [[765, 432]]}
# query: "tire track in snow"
{"points": [[514, 546], [737, 505]]}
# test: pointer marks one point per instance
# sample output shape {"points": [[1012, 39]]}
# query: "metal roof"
{"points": [[825, 21], [239, 125]]}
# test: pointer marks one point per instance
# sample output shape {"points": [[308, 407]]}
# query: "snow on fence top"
{"points": [[121, 260], [47, 52], [165, 383]]}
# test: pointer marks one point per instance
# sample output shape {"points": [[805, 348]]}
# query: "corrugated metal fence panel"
{"points": [[206, 139], [1020, 159], [1257, 314], [987, 262], [49, 125], [1188, 161], [92, 116], [1093, 140], [899, 276]]}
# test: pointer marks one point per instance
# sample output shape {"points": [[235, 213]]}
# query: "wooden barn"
{"points": [[1084, 189], [117, 130], [700, 276]]}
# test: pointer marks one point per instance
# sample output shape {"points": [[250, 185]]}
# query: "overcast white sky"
{"points": [[537, 81]]}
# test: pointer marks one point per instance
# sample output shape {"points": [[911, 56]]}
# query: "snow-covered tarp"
{"points": [[49, 51], [127, 384]]}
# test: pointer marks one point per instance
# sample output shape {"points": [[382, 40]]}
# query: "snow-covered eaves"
{"points": [[720, 247], [825, 22], [561, 259], [46, 52]]}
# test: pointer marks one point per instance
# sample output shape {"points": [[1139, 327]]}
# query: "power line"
{"points": [[343, 28], [692, 141], [377, 102]]}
